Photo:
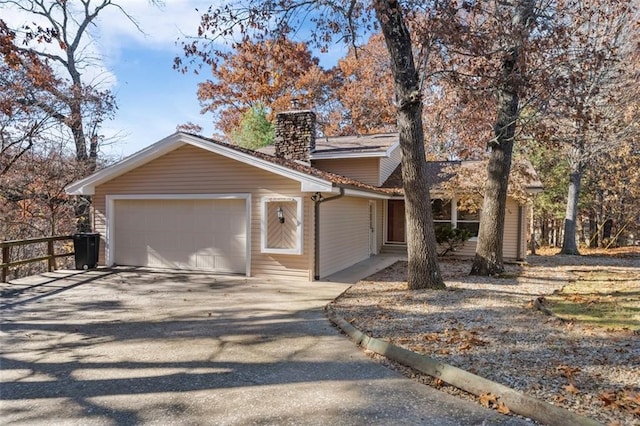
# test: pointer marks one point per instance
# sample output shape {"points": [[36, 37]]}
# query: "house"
{"points": [[303, 209]]}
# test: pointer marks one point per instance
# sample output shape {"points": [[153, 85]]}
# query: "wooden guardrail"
{"points": [[50, 257]]}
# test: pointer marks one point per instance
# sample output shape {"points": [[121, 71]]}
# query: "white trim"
{"points": [[315, 187], [263, 225], [365, 194], [87, 185], [358, 154], [110, 212], [321, 155]]}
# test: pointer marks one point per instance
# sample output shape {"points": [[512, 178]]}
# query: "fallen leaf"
{"points": [[502, 408], [559, 398], [432, 337], [631, 396], [609, 398], [488, 399], [567, 371], [464, 347], [571, 389]]}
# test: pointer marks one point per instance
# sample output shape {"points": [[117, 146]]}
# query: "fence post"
{"points": [[52, 260], [5, 269]]}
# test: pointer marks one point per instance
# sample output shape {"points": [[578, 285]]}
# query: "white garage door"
{"points": [[183, 234]]}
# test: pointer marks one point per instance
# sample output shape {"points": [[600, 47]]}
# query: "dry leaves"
{"points": [[623, 399], [572, 389], [490, 400]]}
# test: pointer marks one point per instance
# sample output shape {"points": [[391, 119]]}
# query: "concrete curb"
{"points": [[517, 402]]}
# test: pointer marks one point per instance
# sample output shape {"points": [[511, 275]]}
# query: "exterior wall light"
{"points": [[280, 214], [317, 197]]}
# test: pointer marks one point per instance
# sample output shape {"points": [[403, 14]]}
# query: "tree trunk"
{"points": [[424, 271], [600, 219], [488, 259], [569, 245], [593, 230]]}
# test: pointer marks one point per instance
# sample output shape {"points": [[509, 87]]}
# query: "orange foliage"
{"points": [[268, 73], [367, 89]]}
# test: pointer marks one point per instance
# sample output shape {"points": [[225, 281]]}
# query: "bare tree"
{"points": [[594, 80], [50, 54]]}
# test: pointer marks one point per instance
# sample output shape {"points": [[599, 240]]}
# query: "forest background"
{"points": [[576, 119]]}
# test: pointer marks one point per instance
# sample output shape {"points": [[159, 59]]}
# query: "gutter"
{"points": [[318, 199]]}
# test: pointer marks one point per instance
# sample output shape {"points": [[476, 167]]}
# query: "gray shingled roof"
{"points": [[341, 181], [344, 145]]}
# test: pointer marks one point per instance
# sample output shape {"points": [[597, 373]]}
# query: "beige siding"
{"points": [[510, 242], [389, 164], [365, 170], [190, 170], [344, 236], [380, 204], [281, 235]]}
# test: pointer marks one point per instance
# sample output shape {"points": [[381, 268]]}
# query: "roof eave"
{"points": [[355, 154], [86, 186]]}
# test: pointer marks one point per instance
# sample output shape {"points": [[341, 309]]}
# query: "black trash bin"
{"points": [[86, 247]]}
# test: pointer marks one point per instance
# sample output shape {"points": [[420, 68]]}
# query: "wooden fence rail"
{"points": [[50, 257]]}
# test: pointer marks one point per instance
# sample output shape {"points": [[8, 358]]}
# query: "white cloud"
{"points": [[159, 26]]}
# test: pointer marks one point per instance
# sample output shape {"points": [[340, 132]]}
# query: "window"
{"points": [[281, 225], [469, 221], [442, 213], [447, 213]]}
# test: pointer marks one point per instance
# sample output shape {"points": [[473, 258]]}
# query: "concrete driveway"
{"points": [[131, 346]]}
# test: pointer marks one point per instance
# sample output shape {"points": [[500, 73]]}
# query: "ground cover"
{"points": [[564, 329]]}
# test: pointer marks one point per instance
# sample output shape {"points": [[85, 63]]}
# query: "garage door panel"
{"points": [[186, 234]]}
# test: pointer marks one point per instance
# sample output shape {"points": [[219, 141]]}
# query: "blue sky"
{"points": [[136, 66], [152, 97]]}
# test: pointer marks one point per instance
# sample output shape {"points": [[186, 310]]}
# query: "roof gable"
{"points": [[311, 179]]}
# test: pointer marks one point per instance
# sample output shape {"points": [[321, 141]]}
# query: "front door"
{"points": [[395, 221]]}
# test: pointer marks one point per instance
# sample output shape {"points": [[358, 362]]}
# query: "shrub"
{"points": [[451, 239]]}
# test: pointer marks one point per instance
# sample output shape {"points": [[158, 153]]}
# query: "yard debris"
{"points": [[485, 327]]}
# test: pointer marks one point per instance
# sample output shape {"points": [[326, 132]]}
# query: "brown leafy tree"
{"points": [[258, 74], [260, 19], [611, 197], [365, 89], [33, 202]]}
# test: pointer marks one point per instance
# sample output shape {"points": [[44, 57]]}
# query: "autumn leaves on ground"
{"points": [[563, 329]]}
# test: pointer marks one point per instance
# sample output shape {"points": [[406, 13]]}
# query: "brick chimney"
{"points": [[295, 134]]}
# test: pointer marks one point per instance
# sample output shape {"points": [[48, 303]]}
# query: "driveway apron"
{"points": [[137, 346]]}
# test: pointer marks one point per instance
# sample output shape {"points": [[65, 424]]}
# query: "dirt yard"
{"points": [[564, 329]]}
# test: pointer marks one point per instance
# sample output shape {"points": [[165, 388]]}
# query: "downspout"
{"points": [[317, 199]]}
